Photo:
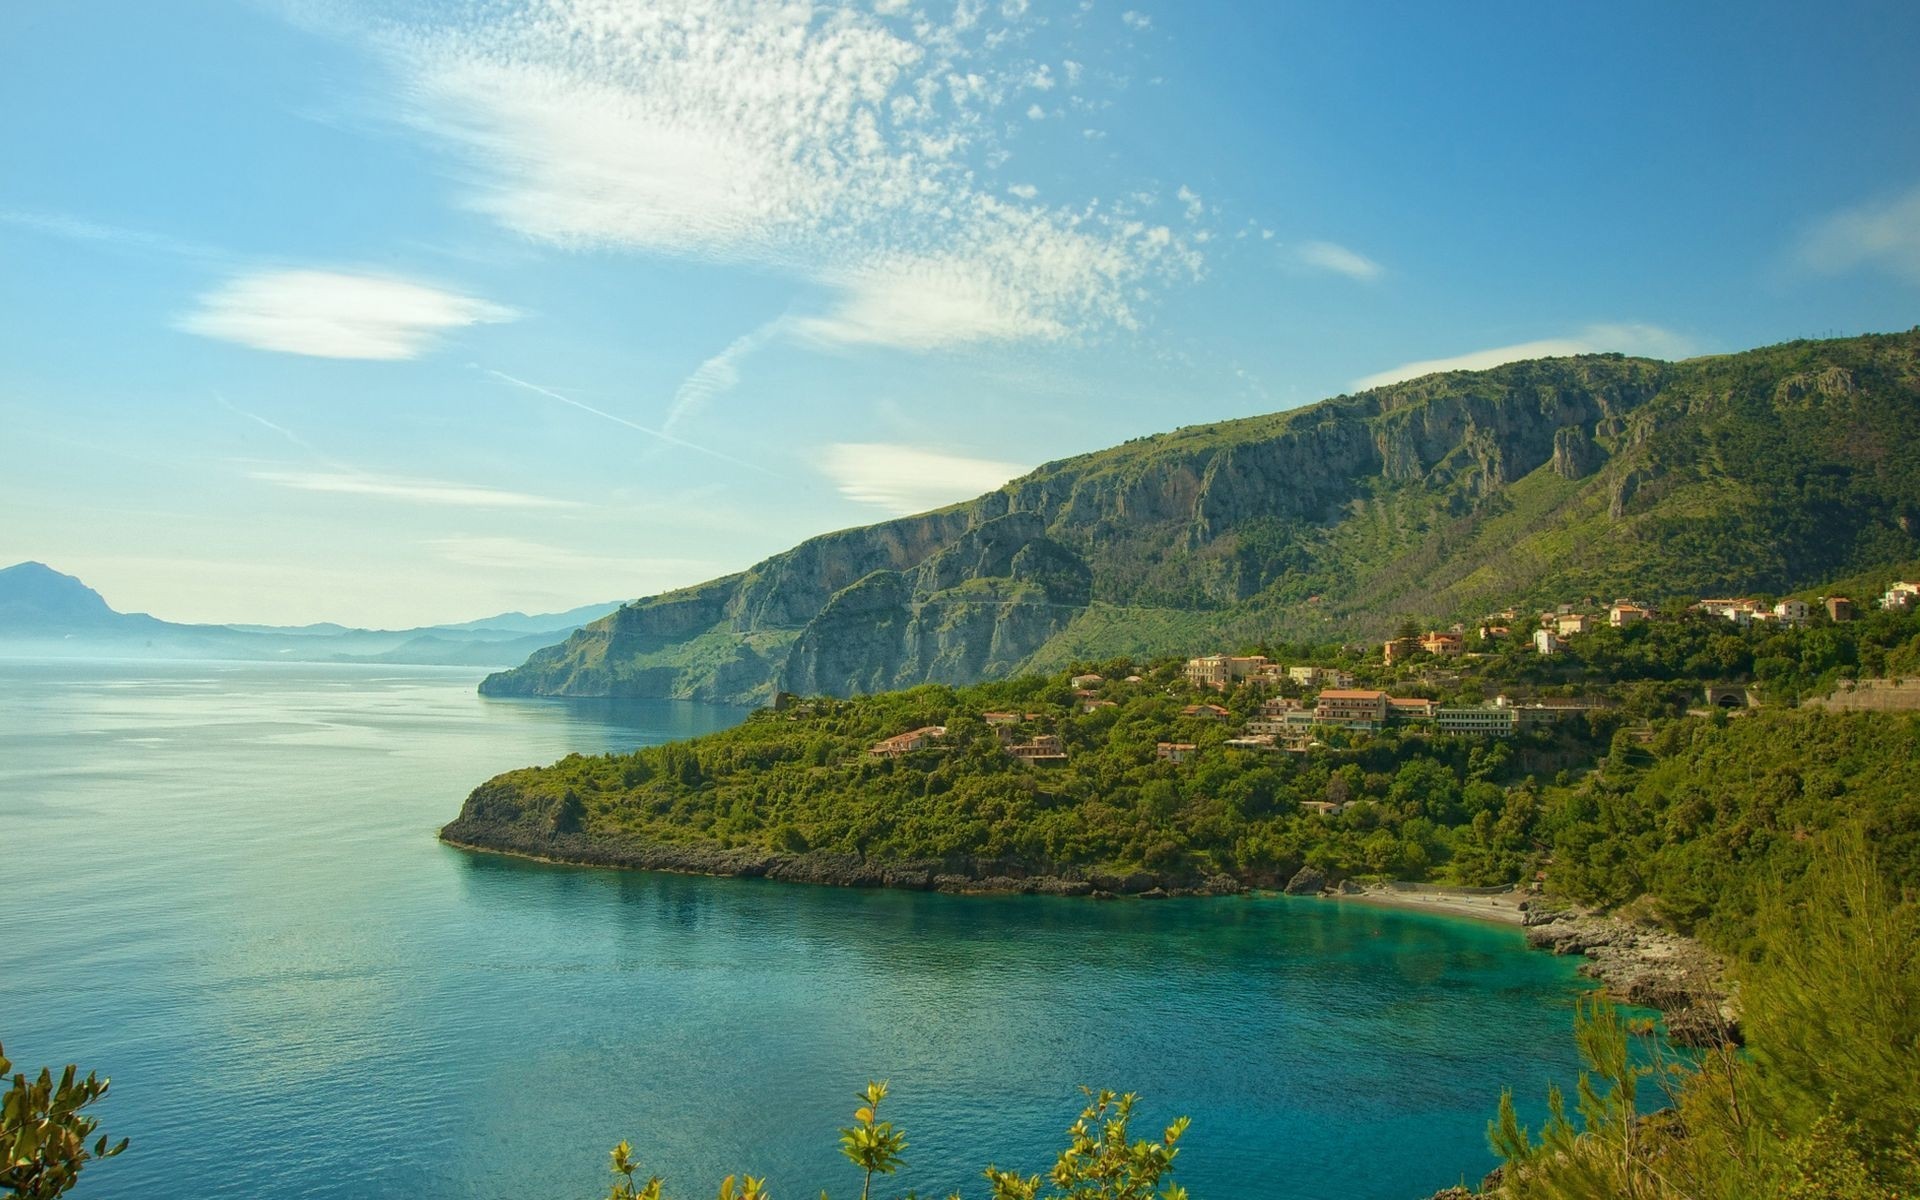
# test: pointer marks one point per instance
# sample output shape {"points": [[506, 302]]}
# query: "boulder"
{"points": [[1307, 881]]}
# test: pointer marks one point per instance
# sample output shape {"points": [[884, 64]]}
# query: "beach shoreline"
{"points": [[1501, 907]]}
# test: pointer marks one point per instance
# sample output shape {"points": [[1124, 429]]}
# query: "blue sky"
{"points": [[391, 314]]}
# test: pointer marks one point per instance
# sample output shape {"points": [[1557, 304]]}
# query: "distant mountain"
{"points": [[34, 596], [519, 622], [1438, 498], [44, 612]]}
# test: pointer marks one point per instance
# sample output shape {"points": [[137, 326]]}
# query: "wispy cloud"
{"points": [[1332, 256], [1882, 234], [908, 479], [120, 237], [417, 491], [718, 374], [828, 141], [333, 314], [660, 435], [1649, 340]]}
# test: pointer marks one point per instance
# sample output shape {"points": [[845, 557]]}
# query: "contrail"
{"points": [[649, 430]]}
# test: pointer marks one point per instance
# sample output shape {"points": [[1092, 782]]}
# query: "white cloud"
{"points": [[1190, 199], [1036, 113], [418, 491], [331, 314], [1025, 191], [1883, 234], [1648, 340], [823, 142], [1013, 279], [909, 479], [1073, 70], [718, 374], [1136, 20], [1332, 256], [1041, 79]]}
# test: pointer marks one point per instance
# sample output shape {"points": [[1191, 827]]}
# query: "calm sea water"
{"points": [[222, 889]]}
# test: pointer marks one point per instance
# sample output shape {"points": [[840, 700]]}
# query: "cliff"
{"points": [[1440, 497]]}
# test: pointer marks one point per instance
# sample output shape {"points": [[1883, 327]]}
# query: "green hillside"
{"points": [[1442, 497], [1629, 797]]}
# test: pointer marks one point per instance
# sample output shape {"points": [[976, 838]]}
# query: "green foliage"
{"points": [[1101, 1160], [1422, 805], [44, 1132], [1825, 1102], [871, 1144], [1711, 816]]}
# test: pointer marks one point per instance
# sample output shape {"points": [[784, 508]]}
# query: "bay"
{"points": [[223, 890]]}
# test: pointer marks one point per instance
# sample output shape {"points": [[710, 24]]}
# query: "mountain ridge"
{"points": [[1768, 469], [45, 611]]}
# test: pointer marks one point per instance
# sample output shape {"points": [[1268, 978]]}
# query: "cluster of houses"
{"points": [[1285, 723], [1556, 625]]}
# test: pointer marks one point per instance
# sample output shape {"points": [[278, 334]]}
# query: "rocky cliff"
{"points": [[1434, 498]]}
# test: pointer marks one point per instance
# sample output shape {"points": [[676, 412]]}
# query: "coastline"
{"points": [[1502, 908], [1638, 964]]}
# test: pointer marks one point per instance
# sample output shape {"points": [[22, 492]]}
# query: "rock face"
{"points": [[1307, 881], [1424, 499]]}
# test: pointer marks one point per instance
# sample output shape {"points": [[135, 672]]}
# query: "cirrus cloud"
{"points": [[1884, 234], [909, 479], [333, 314], [1649, 340], [1332, 256], [416, 491], [821, 140]]}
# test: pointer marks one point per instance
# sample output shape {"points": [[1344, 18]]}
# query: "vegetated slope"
{"points": [[1767, 470], [1626, 801]]}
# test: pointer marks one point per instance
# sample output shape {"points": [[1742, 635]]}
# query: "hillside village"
{"points": [[1295, 708]]}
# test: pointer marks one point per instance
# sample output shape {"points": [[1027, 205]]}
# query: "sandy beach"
{"points": [[1503, 907]]}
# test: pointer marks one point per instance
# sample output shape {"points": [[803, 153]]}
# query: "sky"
{"points": [[392, 313]]}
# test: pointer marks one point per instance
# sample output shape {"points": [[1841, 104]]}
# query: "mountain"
{"points": [[44, 612], [519, 622], [1438, 498], [34, 596]]}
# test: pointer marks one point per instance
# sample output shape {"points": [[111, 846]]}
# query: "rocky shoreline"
{"points": [[1644, 965], [964, 876]]}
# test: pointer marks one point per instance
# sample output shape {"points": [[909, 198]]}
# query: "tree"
{"points": [[1101, 1161], [43, 1132]]}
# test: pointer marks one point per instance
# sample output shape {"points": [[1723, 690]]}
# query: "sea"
{"points": [[222, 889]]}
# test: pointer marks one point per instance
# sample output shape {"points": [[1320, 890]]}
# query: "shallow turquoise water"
{"points": [[222, 889]]}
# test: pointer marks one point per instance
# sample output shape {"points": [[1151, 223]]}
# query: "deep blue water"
{"points": [[222, 889]]}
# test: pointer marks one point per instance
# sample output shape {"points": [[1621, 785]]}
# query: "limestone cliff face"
{"points": [[1420, 499]]}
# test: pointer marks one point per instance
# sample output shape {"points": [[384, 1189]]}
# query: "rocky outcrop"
{"points": [[1575, 456], [1645, 965], [1307, 881]]}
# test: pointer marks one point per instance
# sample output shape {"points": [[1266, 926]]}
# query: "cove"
{"points": [[225, 892]]}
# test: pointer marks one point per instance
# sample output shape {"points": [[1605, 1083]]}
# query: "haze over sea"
{"points": [[224, 891]]}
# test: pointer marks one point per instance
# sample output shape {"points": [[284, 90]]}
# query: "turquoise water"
{"points": [[222, 889]]}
